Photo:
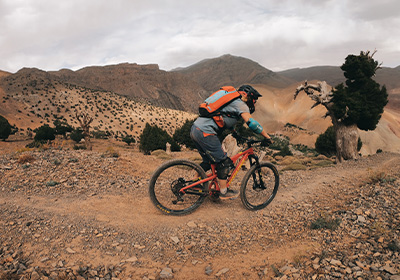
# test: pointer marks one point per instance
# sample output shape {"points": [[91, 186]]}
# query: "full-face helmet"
{"points": [[252, 96]]}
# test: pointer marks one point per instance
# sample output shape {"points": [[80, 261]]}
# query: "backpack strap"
{"points": [[218, 100]]}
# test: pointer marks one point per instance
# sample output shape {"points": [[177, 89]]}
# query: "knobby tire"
{"points": [[168, 179], [259, 186]]}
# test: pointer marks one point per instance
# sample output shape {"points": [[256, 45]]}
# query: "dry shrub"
{"points": [[110, 152], [378, 229], [294, 166], [161, 154], [377, 176], [288, 160], [23, 150], [321, 157], [321, 163], [324, 221], [25, 158]]}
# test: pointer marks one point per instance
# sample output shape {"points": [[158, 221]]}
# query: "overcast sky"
{"points": [[278, 34]]}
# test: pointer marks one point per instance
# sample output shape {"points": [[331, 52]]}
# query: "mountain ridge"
{"points": [[232, 70], [123, 97]]}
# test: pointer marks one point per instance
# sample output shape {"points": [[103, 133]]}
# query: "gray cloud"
{"points": [[277, 34]]}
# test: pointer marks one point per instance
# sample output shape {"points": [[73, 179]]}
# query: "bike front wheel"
{"points": [[168, 180], [259, 186]]}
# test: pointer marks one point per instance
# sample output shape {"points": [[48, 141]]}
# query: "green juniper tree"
{"points": [[154, 138], [44, 133], [182, 134], [356, 105], [5, 128]]}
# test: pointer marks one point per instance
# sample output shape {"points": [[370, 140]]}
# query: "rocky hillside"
{"points": [[146, 82], [231, 70], [31, 98]]}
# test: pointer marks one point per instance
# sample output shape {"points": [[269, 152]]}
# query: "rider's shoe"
{"points": [[230, 194]]}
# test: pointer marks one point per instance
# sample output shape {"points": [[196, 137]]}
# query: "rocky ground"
{"points": [[76, 214]]}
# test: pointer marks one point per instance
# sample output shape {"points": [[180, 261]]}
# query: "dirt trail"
{"points": [[108, 226], [136, 211]]}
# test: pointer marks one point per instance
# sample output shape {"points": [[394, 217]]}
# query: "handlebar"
{"points": [[249, 141]]}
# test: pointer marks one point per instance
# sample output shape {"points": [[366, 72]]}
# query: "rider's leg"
{"points": [[223, 169], [211, 151], [209, 147]]}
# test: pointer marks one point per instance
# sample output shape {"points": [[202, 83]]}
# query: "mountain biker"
{"points": [[204, 134]]}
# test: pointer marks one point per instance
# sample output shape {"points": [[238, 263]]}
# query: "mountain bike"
{"points": [[180, 186]]}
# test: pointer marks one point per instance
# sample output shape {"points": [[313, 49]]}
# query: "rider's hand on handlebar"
{"points": [[266, 142]]}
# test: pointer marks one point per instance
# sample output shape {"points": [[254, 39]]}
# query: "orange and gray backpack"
{"points": [[211, 107]]}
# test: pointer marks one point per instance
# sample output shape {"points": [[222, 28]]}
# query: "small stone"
{"points": [[221, 272], [35, 276], [191, 224], [361, 219], [389, 269], [175, 239], [208, 270], [336, 262], [70, 251], [131, 259], [166, 273]]}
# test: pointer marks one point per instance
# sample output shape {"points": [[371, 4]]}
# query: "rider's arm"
{"points": [[246, 117]]}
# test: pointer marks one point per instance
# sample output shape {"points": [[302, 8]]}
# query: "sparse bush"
{"points": [[161, 154], [45, 132], [22, 150], [110, 152], [294, 166], [326, 142], [182, 134], [128, 140], [5, 128], [99, 134], [279, 143], [377, 177], [285, 151], [79, 147], [324, 222], [36, 144], [154, 138], [77, 135], [321, 163], [52, 183], [25, 158], [62, 127]]}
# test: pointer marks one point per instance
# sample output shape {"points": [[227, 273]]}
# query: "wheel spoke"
{"points": [[259, 186], [167, 182]]}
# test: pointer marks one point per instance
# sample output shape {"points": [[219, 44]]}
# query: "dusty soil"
{"points": [[76, 214]]}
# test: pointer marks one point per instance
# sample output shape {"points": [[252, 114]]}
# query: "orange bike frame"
{"points": [[243, 156]]}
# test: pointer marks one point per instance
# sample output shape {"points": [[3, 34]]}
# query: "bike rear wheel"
{"points": [[169, 178], [259, 186]]}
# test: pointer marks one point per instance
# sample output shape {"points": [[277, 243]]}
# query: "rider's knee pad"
{"points": [[206, 166], [224, 167]]}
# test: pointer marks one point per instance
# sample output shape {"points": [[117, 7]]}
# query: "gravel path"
{"points": [[86, 215]]}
